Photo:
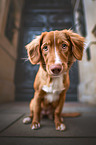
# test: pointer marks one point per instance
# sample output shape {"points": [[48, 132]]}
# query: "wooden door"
{"points": [[39, 16]]}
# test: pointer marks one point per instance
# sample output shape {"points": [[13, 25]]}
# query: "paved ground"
{"points": [[80, 130]]}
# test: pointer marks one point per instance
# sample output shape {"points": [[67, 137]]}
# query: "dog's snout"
{"points": [[56, 69]]}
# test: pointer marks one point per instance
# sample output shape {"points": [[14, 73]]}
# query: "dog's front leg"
{"points": [[57, 114], [37, 109]]}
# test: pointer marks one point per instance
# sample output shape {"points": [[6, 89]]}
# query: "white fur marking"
{"points": [[52, 97], [58, 128], [39, 125], [36, 126], [61, 127], [54, 89], [33, 127], [57, 58], [26, 120], [56, 85]]}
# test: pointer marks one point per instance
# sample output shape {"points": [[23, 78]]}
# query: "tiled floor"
{"points": [[80, 130]]}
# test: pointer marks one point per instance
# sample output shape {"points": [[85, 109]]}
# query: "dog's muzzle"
{"points": [[56, 69]]}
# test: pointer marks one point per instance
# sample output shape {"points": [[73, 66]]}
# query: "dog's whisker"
{"points": [[25, 59]]}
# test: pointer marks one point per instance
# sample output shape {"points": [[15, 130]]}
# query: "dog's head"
{"points": [[56, 50]]}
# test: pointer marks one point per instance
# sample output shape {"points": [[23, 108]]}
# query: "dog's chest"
{"points": [[54, 89]]}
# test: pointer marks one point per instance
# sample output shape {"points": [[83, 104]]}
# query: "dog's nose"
{"points": [[56, 69]]}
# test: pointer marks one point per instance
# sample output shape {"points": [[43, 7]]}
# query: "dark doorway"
{"points": [[39, 16]]}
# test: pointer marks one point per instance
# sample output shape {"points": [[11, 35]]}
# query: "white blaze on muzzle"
{"points": [[57, 58]]}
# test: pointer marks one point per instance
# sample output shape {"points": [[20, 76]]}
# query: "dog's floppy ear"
{"points": [[77, 44], [33, 50]]}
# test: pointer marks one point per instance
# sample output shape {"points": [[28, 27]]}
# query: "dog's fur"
{"points": [[55, 51]]}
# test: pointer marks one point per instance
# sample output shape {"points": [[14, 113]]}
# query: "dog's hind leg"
{"points": [[27, 119]]}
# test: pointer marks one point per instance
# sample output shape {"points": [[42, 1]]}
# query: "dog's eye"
{"points": [[64, 46], [45, 48]]}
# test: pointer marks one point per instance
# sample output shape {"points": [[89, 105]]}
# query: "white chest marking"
{"points": [[54, 89], [57, 58], [51, 97]]}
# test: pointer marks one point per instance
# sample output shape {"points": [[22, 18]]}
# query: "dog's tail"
{"points": [[73, 114]]}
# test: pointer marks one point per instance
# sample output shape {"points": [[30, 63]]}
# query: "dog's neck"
{"points": [[54, 84]]}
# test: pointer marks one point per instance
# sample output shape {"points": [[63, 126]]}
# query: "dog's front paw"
{"points": [[60, 127], [35, 125]]}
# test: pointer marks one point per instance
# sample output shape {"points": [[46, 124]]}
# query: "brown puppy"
{"points": [[55, 51]]}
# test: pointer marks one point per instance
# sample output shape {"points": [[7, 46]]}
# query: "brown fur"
{"points": [[38, 54]]}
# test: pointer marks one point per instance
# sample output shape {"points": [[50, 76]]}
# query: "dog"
{"points": [[55, 51]]}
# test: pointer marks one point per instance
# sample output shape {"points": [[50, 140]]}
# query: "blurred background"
{"points": [[21, 21]]}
